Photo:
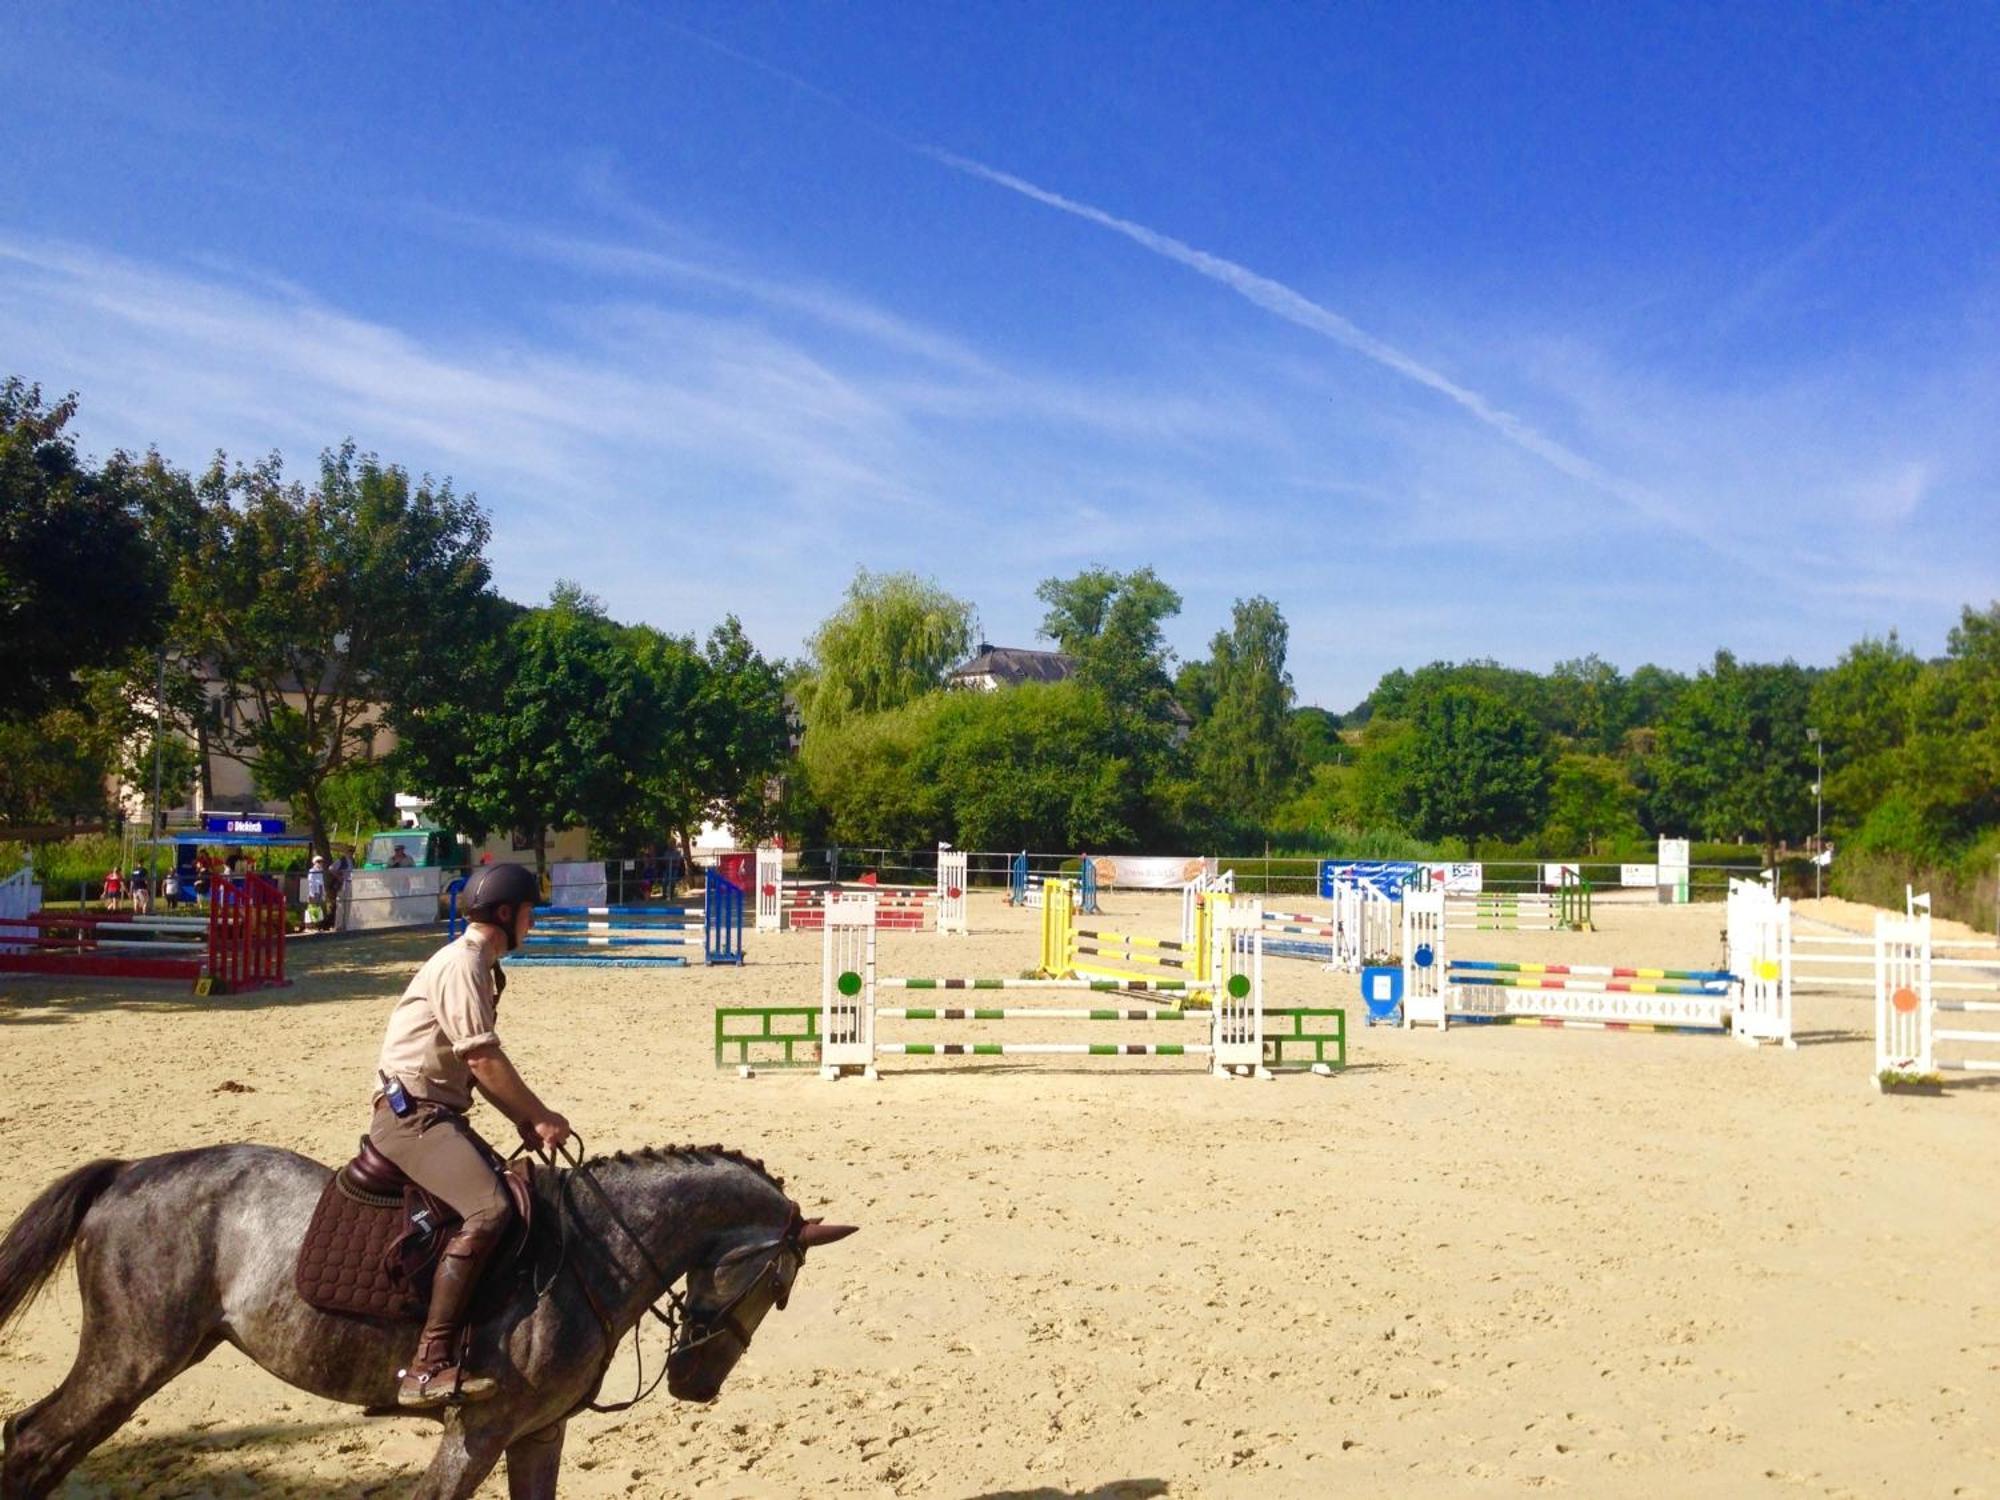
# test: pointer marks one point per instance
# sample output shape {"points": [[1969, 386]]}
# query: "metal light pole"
{"points": [[156, 822], [1819, 810]]}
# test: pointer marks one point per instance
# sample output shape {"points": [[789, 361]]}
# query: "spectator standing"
{"points": [[114, 888], [319, 915], [142, 892]]}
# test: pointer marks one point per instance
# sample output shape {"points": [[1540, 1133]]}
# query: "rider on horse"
{"points": [[441, 1044]]}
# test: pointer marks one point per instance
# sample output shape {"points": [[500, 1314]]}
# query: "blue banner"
{"points": [[1386, 877], [229, 825]]}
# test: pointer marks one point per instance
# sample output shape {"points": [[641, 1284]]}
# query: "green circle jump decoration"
{"points": [[849, 984]]}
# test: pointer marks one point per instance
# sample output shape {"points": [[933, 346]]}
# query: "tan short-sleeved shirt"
{"points": [[450, 1008]]}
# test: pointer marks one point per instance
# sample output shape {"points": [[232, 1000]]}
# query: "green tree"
{"points": [[1592, 807], [1023, 767], [1650, 695], [1732, 756], [1475, 767], [1586, 704], [361, 797], [722, 741], [893, 639], [52, 769], [1949, 770], [1114, 625], [556, 745], [1316, 738], [313, 613], [79, 586], [1245, 749], [748, 732], [1863, 708]]}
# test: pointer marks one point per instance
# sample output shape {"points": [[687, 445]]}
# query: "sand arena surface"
{"points": [[1495, 1259]]}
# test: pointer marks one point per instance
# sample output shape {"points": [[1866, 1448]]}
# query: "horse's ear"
{"points": [[817, 1233]]}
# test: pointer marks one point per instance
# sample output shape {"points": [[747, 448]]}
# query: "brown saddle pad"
{"points": [[370, 1253]]}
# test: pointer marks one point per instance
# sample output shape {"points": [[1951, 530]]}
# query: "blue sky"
{"points": [[1520, 331]]}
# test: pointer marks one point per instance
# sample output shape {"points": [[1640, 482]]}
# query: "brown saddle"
{"points": [[376, 1236]]}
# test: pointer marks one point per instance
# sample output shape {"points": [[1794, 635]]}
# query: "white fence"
{"points": [[1914, 987], [20, 896]]}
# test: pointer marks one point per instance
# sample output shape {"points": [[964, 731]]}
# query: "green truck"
{"points": [[404, 848]]}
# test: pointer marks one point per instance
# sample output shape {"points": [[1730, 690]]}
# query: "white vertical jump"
{"points": [[847, 1022], [1907, 1003], [1903, 994], [1759, 926], [1423, 934], [952, 871], [770, 889], [1368, 926], [1238, 966]]}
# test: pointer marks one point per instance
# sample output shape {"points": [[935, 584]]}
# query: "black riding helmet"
{"points": [[494, 886]]}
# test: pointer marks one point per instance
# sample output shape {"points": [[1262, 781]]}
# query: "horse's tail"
{"points": [[41, 1237]]}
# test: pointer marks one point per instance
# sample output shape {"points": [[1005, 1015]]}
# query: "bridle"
{"points": [[691, 1334]]}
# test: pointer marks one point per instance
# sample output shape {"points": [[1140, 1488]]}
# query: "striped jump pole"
{"points": [[788, 1036], [1589, 986], [1602, 971], [1100, 986], [1233, 1018], [1482, 992], [1045, 1049]]}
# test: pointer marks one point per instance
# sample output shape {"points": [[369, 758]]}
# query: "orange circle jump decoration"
{"points": [[1904, 999]]}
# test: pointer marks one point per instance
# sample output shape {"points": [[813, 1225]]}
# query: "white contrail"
{"points": [[1275, 297]]}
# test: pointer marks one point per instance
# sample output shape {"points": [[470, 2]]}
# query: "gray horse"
{"points": [[178, 1254]]}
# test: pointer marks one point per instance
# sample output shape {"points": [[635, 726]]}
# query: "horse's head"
{"points": [[728, 1297]]}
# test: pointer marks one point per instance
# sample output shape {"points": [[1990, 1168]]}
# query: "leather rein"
{"points": [[675, 1317]]}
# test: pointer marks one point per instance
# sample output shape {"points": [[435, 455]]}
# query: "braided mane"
{"points": [[695, 1154]]}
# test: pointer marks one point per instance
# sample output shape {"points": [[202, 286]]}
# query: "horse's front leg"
{"points": [[466, 1454], [533, 1463]]}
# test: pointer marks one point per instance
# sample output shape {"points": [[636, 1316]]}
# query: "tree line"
{"points": [[340, 638], [288, 624], [1450, 760]]}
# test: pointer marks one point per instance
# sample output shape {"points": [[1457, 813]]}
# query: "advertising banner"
{"points": [[1149, 872]]}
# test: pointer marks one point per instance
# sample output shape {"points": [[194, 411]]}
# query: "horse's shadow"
{"points": [[243, 1460]]}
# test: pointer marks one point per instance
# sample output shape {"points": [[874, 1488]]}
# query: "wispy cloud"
{"points": [[737, 447], [1294, 307]]}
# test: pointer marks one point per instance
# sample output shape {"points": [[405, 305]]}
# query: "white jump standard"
{"points": [[1231, 1025]]}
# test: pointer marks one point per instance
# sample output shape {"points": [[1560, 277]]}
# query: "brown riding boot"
{"points": [[437, 1376]]}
